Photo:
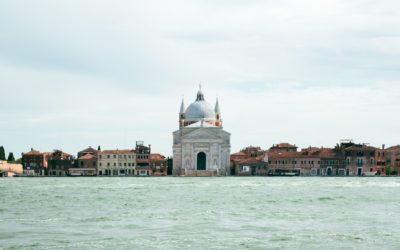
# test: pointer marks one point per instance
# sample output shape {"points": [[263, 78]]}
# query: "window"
{"points": [[108, 164], [115, 156], [115, 164], [100, 164], [108, 156]]}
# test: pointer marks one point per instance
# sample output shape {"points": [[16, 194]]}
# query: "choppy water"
{"points": [[200, 213]]}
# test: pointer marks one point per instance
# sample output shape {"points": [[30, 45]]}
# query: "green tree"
{"points": [[388, 170], [2, 154], [11, 157]]}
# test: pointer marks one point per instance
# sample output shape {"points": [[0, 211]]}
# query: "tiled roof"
{"points": [[33, 152], [239, 154], [397, 147], [57, 150], [252, 161], [89, 149], [285, 145], [360, 147], [274, 154], [118, 151], [157, 157], [87, 157]]}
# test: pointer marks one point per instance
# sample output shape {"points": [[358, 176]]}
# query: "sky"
{"points": [[75, 74]]}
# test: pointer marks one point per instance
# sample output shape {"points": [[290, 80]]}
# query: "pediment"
{"points": [[203, 133]]}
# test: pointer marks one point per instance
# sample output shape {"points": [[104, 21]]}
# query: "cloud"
{"points": [[110, 73]]}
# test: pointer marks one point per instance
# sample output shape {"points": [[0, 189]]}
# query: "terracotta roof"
{"points": [[118, 151], [239, 154], [87, 157], [157, 157], [360, 147], [252, 161], [272, 154], [89, 149], [57, 150], [33, 152], [285, 145], [397, 147]]}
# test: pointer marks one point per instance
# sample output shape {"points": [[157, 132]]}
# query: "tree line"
{"points": [[10, 157]]}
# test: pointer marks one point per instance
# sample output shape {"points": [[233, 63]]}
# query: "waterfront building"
{"points": [[143, 153], [248, 161], [35, 163], [360, 159], [86, 164], [283, 147], [312, 161], [201, 147], [391, 157], [117, 162], [158, 164], [282, 162], [332, 162], [59, 163]]}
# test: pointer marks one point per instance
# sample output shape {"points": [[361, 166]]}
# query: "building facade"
{"points": [[35, 163], [118, 162], [158, 164], [86, 164], [201, 146], [59, 163]]}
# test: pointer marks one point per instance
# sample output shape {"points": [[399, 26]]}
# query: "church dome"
{"points": [[200, 110]]}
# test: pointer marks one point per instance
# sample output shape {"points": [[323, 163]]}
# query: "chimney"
{"points": [[383, 146]]}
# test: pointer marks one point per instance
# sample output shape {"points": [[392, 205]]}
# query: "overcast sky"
{"points": [[109, 73]]}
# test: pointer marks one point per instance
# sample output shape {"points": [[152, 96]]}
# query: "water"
{"points": [[200, 213]]}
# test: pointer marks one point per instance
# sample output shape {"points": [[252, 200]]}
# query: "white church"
{"points": [[201, 147]]}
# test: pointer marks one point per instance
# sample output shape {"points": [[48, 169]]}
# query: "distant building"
{"points": [[283, 147], [312, 161], [360, 159], [391, 157], [117, 162], [201, 147], [35, 163], [158, 164], [86, 164], [59, 163], [143, 153], [248, 161]]}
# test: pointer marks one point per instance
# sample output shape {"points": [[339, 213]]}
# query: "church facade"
{"points": [[201, 147]]}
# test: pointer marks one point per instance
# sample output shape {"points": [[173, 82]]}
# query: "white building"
{"points": [[201, 147], [119, 162]]}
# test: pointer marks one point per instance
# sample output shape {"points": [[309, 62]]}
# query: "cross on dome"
{"points": [[200, 96]]}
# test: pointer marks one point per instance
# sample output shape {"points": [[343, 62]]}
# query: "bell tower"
{"points": [[182, 114], [218, 121]]}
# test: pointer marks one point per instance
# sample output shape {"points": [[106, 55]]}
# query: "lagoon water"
{"points": [[200, 213]]}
